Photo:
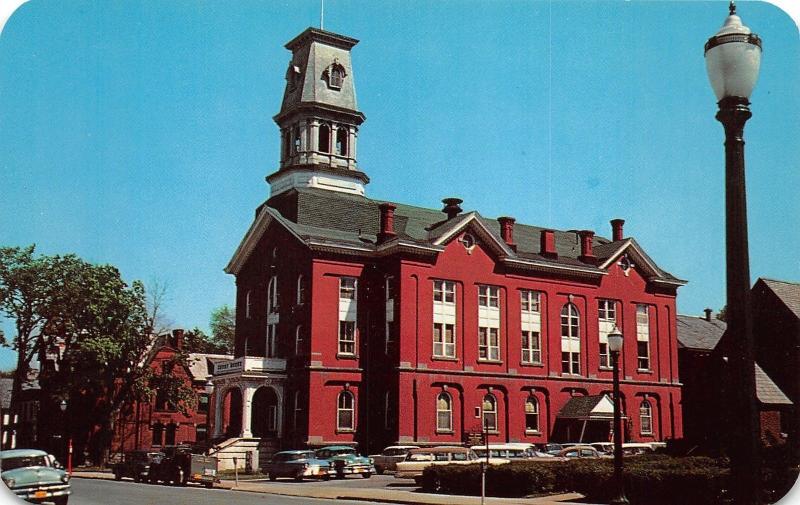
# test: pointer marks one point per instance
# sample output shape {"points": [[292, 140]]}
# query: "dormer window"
{"points": [[334, 75]]}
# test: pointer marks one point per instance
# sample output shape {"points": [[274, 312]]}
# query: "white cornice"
{"points": [[544, 265], [500, 247]]}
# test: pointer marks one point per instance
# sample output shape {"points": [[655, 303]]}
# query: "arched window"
{"points": [[247, 304], [272, 295], [271, 337], [297, 410], [490, 412], [299, 344], [532, 414], [158, 434], [570, 340], [169, 439], [301, 290], [324, 138], [344, 412], [341, 141], [296, 139], [337, 76], [444, 412], [646, 417]]}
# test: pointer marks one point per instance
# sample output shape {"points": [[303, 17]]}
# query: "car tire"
{"points": [[339, 475], [136, 477], [298, 478], [367, 475], [272, 477], [117, 476], [209, 485], [61, 500], [379, 470], [326, 477]]}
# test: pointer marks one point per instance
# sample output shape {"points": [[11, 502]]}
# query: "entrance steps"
{"points": [[242, 449]]}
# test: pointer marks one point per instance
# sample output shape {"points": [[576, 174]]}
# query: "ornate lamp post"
{"points": [[733, 57], [615, 346], [63, 407]]}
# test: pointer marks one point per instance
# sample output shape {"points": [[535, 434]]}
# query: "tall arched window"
{"points": [[444, 412], [570, 340], [301, 290], [299, 341], [345, 418], [271, 338], [272, 295], [247, 304], [297, 410], [324, 138], [490, 412], [646, 417], [531, 414], [341, 141]]}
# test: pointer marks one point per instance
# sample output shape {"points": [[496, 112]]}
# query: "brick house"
{"points": [[155, 423], [702, 366], [370, 322]]}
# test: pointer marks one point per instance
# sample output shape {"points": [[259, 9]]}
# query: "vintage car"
{"points": [[579, 451], [388, 459], [419, 459], [35, 476], [179, 465], [344, 460], [136, 465], [513, 451], [297, 465]]}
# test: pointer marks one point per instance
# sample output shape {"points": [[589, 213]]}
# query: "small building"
{"points": [[702, 364]]}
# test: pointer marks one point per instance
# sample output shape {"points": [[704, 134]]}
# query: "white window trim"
{"points": [[605, 324], [448, 411], [643, 335], [571, 344], [348, 313], [494, 412], [649, 417], [444, 315], [531, 399], [340, 410]]}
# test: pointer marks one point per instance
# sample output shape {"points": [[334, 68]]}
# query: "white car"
{"points": [[389, 457], [420, 459]]}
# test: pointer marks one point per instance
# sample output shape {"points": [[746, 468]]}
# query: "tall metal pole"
{"points": [[484, 464], [744, 448], [619, 491]]}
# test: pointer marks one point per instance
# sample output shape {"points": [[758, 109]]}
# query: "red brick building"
{"points": [[373, 322], [153, 424]]}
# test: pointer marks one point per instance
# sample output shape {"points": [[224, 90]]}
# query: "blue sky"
{"points": [[139, 133]]}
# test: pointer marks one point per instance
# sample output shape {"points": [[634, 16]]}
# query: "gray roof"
{"points": [[198, 364], [6, 384], [787, 292], [767, 392], [340, 218], [580, 407], [694, 332]]}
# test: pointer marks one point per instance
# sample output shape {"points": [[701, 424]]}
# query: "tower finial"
{"points": [[732, 8]]}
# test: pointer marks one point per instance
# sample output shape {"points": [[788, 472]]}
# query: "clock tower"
{"points": [[319, 117]]}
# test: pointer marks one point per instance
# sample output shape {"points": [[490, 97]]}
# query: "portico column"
{"points": [[247, 400], [218, 404]]}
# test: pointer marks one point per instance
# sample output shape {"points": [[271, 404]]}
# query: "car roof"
{"points": [[298, 451], [401, 447], [516, 447], [21, 453], [441, 448], [337, 447]]}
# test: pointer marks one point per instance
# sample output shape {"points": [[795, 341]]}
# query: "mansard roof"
{"points": [[349, 224]]}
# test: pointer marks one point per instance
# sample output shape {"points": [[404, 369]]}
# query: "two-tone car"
{"points": [[421, 458], [387, 460], [34, 476], [136, 465], [344, 461], [297, 465]]}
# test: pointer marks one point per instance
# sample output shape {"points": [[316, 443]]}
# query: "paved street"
{"points": [[108, 492]]}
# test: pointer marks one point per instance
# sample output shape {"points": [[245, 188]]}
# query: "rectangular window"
{"points": [[489, 344], [570, 340], [444, 340], [531, 323], [444, 319], [531, 347], [606, 320], [488, 296], [643, 336], [389, 289], [347, 337], [348, 311]]}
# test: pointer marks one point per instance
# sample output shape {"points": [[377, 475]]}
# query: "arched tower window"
{"points": [[295, 140], [490, 412], [324, 138], [345, 412], [341, 141], [444, 412]]}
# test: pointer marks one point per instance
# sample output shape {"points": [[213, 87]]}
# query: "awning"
{"points": [[588, 408]]}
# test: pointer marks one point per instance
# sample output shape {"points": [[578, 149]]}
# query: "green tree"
{"points": [[195, 340], [223, 327]]}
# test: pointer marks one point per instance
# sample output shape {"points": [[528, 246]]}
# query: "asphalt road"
{"points": [[107, 492]]}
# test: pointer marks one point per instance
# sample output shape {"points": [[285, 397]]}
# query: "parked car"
{"points": [[633, 449], [579, 451], [34, 476], [603, 447], [388, 459], [297, 465], [346, 461], [178, 465], [508, 451], [136, 465], [419, 459], [552, 449]]}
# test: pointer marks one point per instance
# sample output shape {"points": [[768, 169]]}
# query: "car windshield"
{"points": [[394, 452], [341, 452], [420, 456], [22, 462], [302, 455]]}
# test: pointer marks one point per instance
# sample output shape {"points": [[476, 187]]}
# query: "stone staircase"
{"points": [[239, 448]]}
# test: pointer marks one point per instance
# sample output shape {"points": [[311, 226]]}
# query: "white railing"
{"points": [[250, 364]]}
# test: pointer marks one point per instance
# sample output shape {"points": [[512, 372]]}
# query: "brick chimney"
{"points": [[616, 229], [452, 207], [708, 314], [507, 230], [548, 244], [387, 222], [586, 246], [177, 335]]}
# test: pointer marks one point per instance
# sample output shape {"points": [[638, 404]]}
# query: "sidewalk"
{"points": [[365, 494]]}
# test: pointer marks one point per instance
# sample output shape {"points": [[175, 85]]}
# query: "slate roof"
{"points": [[694, 332], [580, 407], [787, 292], [352, 221], [199, 364], [767, 392]]}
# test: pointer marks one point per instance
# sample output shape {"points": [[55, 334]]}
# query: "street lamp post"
{"points": [[733, 57], [614, 346], [63, 406]]}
